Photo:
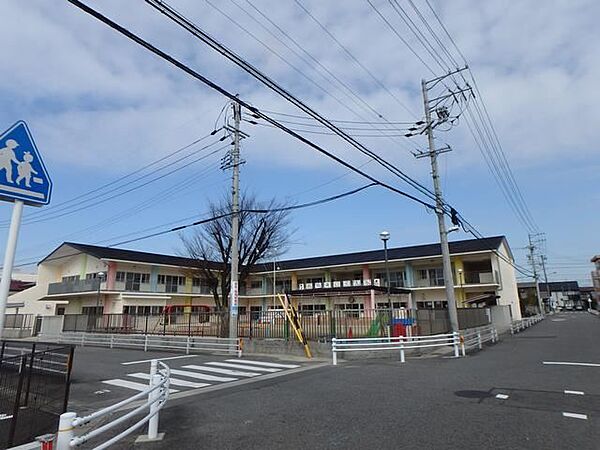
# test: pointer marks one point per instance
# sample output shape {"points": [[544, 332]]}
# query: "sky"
{"points": [[104, 111]]}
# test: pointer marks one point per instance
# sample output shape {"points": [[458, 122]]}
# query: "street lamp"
{"points": [[99, 277], [385, 236], [275, 269]]}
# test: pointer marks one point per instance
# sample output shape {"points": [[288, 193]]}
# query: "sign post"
{"points": [[23, 180]]}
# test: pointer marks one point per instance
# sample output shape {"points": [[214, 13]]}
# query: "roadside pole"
{"points": [[9, 259], [439, 211], [235, 222]]}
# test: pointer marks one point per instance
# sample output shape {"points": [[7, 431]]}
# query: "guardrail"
{"points": [[147, 342], [476, 337], [157, 395], [401, 344], [520, 325]]}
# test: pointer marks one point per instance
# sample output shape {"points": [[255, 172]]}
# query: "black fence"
{"points": [[317, 325], [34, 389]]}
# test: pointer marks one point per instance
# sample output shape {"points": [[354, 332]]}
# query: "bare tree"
{"points": [[261, 234]]}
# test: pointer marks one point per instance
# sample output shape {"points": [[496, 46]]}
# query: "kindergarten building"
{"points": [[86, 279]]}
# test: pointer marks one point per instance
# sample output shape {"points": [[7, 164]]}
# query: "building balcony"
{"points": [[72, 287], [479, 278]]}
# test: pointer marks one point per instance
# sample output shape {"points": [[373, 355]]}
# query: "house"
{"points": [[80, 278]]}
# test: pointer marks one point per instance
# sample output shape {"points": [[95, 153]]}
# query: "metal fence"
{"points": [[34, 389], [19, 321], [317, 325]]}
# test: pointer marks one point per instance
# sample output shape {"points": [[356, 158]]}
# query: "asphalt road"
{"points": [[433, 403]]}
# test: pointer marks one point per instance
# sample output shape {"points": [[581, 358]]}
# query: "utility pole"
{"points": [[439, 211], [543, 259], [235, 222], [531, 248]]}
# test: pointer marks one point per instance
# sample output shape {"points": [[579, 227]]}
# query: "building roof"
{"points": [[398, 253], [117, 254]]}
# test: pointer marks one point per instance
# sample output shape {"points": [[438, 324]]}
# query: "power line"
{"points": [[179, 19]]}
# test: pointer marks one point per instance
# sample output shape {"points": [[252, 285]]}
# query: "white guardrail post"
{"points": [[333, 352], [479, 343], [456, 340], [65, 431], [153, 398], [401, 349]]}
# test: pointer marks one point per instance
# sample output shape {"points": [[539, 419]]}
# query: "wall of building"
{"points": [[508, 291]]}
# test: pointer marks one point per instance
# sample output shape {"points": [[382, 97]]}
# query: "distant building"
{"points": [[134, 282], [561, 294], [19, 282], [596, 279]]}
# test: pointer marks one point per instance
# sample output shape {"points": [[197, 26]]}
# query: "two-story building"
{"points": [[79, 278]]}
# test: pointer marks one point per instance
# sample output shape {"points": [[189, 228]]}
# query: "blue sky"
{"points": [[101, 107]]}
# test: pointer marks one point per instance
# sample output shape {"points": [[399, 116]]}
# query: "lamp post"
{"points": [[99, 277], [385, 236], [275, 269]]}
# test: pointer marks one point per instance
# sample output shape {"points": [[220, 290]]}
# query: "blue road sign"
{"points": [[23, 175]]}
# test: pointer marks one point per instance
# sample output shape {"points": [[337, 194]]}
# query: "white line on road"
{"points": [[261, 363], [200, 376], [131, 385], [575, 415], [235, 373], [241, 366], [574, 392], [561, 363], [172, 381], [501, 396], [160, 359]]}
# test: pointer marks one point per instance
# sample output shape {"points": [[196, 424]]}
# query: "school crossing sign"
{"points": [[23, 175]]}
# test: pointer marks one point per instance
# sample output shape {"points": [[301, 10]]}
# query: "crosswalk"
{"points": [[198, 376]]}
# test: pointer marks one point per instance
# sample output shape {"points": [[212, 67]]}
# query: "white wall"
{"points": [[508, 291]]}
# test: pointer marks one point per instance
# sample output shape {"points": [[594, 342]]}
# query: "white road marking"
{"points": [[574, 392], [200, 376], [235, 373], [266, 364], [241, 366], [561, 363], [501, 396], [575, 415], [131, 385], [159, 359], [172, 381]]}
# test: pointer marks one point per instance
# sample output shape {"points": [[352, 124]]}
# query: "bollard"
{"points": [[479, 340], [146, 343], [402, 349], [112, 340], [333, 351], [154, 405], [187, 346], [65, 431]]}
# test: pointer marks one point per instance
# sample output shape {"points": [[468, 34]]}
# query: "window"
{"points": [[120, 277], [256, 284], [422, 274], [70, 279], [92, 310], [171, 282], [309, 310], [132, 281], [397, 278], [436, 276], [255, 312], [395, 305]]}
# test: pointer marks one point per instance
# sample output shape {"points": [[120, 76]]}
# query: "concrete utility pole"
{"points": [[543, 261], [439, 211], [235, 223], [536, 277]]}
